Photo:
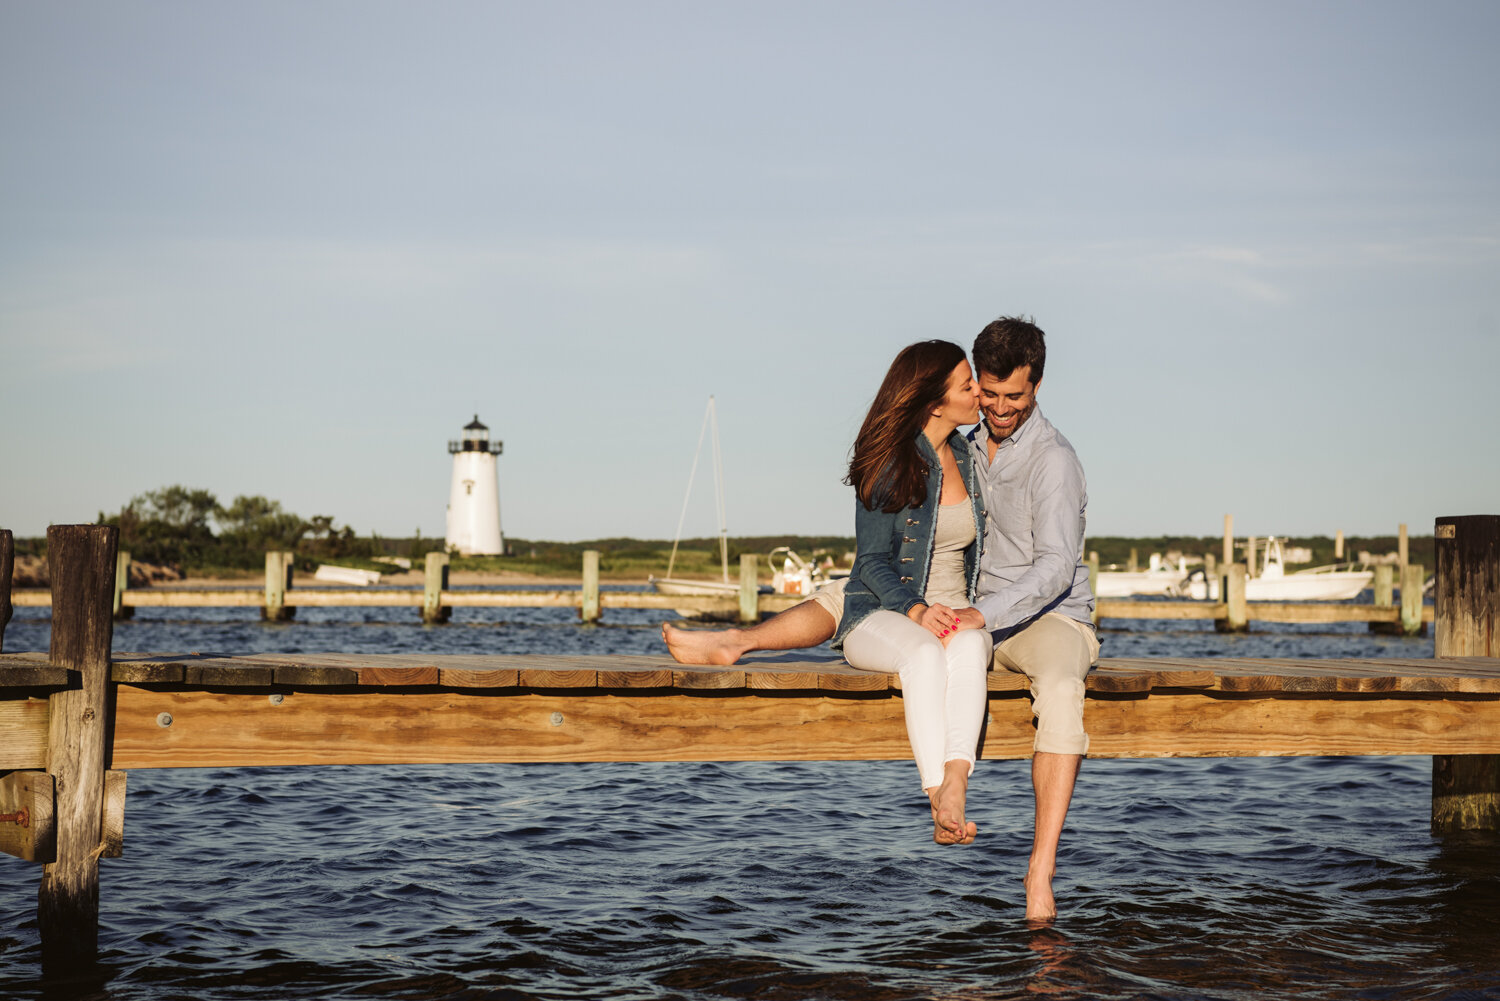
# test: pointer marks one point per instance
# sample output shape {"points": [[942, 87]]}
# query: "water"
{"points": [[1179, 879]]}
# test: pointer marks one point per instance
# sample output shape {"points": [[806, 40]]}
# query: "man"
{"points": [[1033, 586]]}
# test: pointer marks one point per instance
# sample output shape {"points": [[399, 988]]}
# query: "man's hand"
{"points": [[970, 618]]}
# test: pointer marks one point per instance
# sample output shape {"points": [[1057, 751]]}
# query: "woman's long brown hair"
{"points": [[886, 470]]}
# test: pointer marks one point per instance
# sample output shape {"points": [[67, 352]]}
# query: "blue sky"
{"points": [[290, 249]]}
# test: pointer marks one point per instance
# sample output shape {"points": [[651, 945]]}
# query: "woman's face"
{"points": [[961, 402]]}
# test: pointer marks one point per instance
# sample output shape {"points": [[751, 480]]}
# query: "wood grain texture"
{"points": [[81, 564], [112, 823], [27, 670], [23, 733], [392, 726], [36, 839]]}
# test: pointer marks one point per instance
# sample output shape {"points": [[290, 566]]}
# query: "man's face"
{"points": [[1008, 402]]}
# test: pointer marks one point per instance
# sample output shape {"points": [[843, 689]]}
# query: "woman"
{"points": [[918, 525]]}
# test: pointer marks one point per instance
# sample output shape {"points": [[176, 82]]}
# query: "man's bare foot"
{"points": [[1041, 908], [948, 824], [720, 647]]}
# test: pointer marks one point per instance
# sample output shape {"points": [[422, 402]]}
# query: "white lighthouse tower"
{"points": [[474, 497]]}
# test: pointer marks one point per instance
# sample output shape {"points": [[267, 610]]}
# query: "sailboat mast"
{"points": [[719, 493]]}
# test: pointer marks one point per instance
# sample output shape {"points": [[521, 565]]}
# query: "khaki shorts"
{"points": [[1055, 653], [830, 598]]}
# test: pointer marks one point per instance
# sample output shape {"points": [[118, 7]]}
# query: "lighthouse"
{"points": [[474, 496]]}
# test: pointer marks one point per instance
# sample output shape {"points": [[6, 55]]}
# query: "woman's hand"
{"points": [[970, 618], [940, 620]]}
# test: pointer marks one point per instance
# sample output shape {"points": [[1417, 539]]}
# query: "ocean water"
{"points": [[1178, 879]]}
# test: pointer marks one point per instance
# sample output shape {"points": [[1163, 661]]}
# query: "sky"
{"points": [[290, 249]]}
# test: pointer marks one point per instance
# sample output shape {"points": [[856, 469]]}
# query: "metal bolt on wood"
{"points": [[21, 818], [163, 720]]}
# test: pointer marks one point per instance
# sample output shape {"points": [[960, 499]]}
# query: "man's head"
{"points": [[1009, 355]]}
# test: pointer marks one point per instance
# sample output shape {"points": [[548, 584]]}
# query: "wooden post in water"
{"points": [[1401, 547], [1228, 539], [1236, 611], [588, 608], [1466, 787], [1094, 584], [749, 589], [1250, 545], [7, 565], [1385, 594], [434, 583], [1412, 578], [122, 581], [278, 579], [1134, 565], [1338, 546], [81, 563]]}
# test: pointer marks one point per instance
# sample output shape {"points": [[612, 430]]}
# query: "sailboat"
{"points": [[677, 585]]}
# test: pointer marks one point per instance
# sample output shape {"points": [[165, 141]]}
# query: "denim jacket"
{"points": [[893, 551]]}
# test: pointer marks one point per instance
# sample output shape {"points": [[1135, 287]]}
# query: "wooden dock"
{"points": [[72, 722]]}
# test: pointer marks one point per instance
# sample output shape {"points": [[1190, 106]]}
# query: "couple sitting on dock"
{"points": [[968, 554]]}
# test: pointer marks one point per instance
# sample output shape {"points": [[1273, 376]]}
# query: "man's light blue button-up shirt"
{"points": [[1035, 494]]}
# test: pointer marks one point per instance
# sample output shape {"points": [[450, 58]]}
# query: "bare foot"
{"points": [[721, 647], [1041, 908], [948, 824]]}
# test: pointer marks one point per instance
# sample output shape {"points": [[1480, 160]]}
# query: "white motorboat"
{"points": [[346, 575], [1157, 579], [794, 575], [1336, 582]]}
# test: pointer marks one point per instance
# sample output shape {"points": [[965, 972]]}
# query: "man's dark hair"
{"points": [[1010, 343]]}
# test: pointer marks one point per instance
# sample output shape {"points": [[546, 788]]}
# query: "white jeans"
{"points": [[943, 689]]}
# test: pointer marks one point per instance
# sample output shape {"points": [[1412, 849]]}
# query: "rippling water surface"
{"points": [[1183, 879]]}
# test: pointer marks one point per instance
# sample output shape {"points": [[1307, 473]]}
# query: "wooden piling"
{"points": [[81, 563], [278, 579], [1134, 564], [1250, 547], [1338, 546], [588, 608], [122, 581], [749, 589], [1385, 594], [434, 583], [1236, 610], [1401, 547], [1094, 584], [1228, 539], [1466, 787], [1412, 579], [7, 565]]}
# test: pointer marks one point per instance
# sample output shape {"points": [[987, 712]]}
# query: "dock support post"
{"points": [[434, 583], [81, 563], [7, 565], [1411, 600], [1094, 583], [1466, 787], [1338, 547], [1385, 594], [1228, 539], [1236, 611], [122, 581], [1401, 547], [588, 608], [1250, 547], [749, 590], [278, 579]]}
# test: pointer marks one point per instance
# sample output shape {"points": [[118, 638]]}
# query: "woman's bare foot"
{"points": [[721, 647], [948, 824], [1041, 908]]}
